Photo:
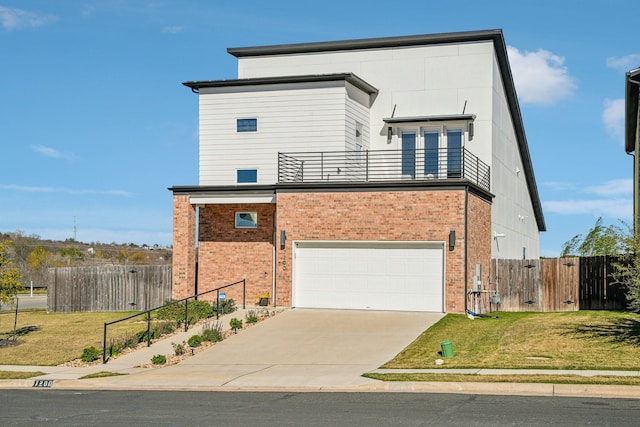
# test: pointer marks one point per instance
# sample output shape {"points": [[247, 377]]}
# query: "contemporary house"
{"points": [[361, 174]]}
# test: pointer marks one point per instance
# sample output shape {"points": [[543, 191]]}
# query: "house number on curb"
{"points": [[42, 383]]}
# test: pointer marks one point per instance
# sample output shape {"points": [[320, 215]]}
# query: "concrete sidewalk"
{"points": [[304, 350]]}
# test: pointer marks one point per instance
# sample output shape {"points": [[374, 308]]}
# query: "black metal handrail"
{"points": [[186, 311], [384, 165]]}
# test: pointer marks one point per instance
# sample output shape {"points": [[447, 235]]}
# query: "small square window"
{"points": [[247, 125], [245, 176], [246, 219]]}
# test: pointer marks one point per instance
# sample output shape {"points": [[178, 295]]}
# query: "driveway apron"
{"points": [[298, 348]]}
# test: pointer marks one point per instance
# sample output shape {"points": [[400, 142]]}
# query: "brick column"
{"points": [[184, 247]]}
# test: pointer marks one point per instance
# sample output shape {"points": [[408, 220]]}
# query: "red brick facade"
{"points": [[227, 254]]}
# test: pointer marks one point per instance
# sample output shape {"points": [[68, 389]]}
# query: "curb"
{"points": [[520, 389]]}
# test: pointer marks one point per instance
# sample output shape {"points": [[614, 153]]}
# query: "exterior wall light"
{"points": [[283, 239], [452, 239], [389, 134]]}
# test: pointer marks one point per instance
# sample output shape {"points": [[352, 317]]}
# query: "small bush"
{"points": [[194, 340], [115, 347], [179, 348], [196, 310], [235, 324], [227, 306], [142, 335], [165, 328], [130, 340], [251, 316], [90, 354], [212, 332], [159, 359]]}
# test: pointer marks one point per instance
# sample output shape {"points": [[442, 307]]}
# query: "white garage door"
{"points": [[404, 276]]}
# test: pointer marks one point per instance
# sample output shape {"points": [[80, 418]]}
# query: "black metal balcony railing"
{"points": [[383, 165]]}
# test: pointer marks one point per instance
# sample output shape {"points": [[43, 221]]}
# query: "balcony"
{"points": [[384, 165]]}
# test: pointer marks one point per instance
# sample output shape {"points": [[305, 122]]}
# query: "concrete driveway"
{"points": [[299, 348]]}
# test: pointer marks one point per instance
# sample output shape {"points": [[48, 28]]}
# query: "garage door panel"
{"points": [[369, 275]]}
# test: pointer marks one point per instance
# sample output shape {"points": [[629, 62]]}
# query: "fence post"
{"points": [[217, 304], [149, 328], [104, 344]]}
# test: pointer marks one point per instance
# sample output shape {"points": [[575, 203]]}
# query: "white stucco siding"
{"points": [[417, 81], [512, 211], [288, 119]]}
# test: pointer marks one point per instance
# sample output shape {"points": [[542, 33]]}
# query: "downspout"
{"points": [[275, 254], [466, 248], [197, 246], [636, 152]]}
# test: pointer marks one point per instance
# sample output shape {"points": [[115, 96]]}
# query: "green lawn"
{"points": [[606, 340], [49, 339]]}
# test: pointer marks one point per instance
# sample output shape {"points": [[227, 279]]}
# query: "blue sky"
{"points": [[95, 124]]}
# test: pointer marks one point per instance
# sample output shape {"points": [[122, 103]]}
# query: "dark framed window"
{"points": [[245, 176], [247, 125]]}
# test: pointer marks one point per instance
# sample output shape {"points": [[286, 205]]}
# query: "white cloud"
{"points": [[614, 200], [559, 185], [173, 29], [36, 189], [619, 208], [624, 63], [52, 152], [613, 117], [14, 18], [613, 187], [540, 77]]}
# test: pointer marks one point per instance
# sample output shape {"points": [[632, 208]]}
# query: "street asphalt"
{"points": [[301, 350]]}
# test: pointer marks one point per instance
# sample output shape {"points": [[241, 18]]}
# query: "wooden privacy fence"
{"points": [[108, 288], [555, 284]]}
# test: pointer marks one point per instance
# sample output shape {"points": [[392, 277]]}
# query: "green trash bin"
{"points": [[447, 348]]}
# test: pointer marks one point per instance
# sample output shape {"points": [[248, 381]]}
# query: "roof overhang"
{"points": [[422, 119], [632, 89], [224, 195], [228, 194], [262, 81], [372, 43]]}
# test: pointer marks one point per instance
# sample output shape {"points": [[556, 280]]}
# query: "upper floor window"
{"points": [[246, 176], [247, 125]]}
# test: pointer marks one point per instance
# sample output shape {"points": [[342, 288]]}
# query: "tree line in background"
{"points": [[25, 259], [621, 242]]}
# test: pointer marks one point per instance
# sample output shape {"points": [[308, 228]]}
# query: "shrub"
{"points": [[227, 306], [251, 316], [115, 347], [235, 324], [159, 359], [196, 310], [179, 348], [165, 328], [194, 340], [130, 340], [212, 332], [90, 354]]}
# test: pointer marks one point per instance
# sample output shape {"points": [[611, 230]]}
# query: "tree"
{"points": [[626, 269], [600, 240], [9, 274], [39, 261]]}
